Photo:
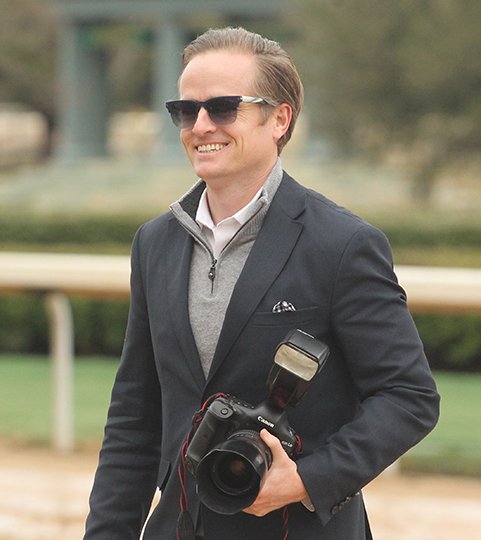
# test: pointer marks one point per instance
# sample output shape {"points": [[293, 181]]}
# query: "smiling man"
{"points": [[233, 159], [243, 258]]}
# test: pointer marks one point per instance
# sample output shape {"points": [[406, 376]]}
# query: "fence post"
{"points": [[61, 351]]}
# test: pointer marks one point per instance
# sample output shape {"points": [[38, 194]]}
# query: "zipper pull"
{"points": [[212, 270]]}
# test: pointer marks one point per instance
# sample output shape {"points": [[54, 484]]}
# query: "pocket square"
{"points": [[282, 306]]}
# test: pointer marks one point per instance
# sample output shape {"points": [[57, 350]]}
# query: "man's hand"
{"points": [[282, 484]]}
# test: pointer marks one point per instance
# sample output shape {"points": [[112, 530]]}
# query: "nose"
{"points": [[203, 123]]}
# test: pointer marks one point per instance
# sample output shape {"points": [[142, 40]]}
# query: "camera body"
{"points": [[226, 453], [229, 415]]}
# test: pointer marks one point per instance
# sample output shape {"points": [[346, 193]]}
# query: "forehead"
{"points": [[218, 73]]}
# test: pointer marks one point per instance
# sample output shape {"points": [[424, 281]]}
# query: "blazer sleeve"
{"points": [[126, 476], [399, 404]]}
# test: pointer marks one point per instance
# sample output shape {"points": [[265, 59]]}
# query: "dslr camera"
{"points": [[226, 454]]}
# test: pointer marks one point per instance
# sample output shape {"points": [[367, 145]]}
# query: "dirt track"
{"points": [[44, 497]]}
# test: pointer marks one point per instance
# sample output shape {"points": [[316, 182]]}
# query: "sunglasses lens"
{"points": [[183, 112], [223, 110]]}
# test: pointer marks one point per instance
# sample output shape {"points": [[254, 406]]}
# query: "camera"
{"points": [[226, 454]]}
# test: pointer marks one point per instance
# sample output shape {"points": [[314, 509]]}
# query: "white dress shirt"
{"points": [[220, 235]]}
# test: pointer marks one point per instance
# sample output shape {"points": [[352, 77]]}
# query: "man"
{"points": [[245, 256]]}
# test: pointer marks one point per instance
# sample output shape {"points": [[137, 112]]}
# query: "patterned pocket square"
{"points": [[282, 306]]}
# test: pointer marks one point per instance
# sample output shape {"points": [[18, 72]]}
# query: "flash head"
{"points": [[298, 358]]}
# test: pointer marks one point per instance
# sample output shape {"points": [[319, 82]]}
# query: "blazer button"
{"points": [[335, 509]]}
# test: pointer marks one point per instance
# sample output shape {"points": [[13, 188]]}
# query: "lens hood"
{"points": [[229, 476]]}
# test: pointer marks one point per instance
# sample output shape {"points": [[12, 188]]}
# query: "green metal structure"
{"points": [[83, 99]]}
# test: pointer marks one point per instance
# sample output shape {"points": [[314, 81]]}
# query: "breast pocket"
{"points": [[290, 319]]}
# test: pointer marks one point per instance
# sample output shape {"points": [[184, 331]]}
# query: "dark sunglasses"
{"points": [[222, 110]]}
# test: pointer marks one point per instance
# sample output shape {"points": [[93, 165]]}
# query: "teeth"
{"points": [[210, 147]]}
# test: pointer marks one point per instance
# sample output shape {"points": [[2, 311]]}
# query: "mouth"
{"points": [[210, 148]]}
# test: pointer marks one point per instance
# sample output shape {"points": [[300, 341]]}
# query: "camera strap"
{"points": [[185, 525]]}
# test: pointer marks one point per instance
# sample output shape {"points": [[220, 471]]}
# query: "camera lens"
{"points": [[233, 474], [229, 476]]}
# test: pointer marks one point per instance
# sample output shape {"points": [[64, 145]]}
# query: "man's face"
{"points": [[245, 150]]}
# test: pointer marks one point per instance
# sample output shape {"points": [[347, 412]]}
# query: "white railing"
{"points": [[58, 276]]}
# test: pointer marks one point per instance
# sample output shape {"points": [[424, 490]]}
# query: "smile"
{"points": [[206, 148]]}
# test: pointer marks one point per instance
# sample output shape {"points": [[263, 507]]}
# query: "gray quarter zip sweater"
{"points": [[212, 280]]}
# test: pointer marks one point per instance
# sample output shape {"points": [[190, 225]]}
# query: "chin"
{"points": [[209, 171]]}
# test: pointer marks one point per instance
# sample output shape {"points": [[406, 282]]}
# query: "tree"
{"points": [[400, 76], [27, 58], [28, 55]]}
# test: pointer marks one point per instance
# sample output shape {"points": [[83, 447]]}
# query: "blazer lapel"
{"points": [[179, 254], [272, 248]]}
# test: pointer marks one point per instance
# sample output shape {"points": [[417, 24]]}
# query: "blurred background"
{"points": [[391, 129]]}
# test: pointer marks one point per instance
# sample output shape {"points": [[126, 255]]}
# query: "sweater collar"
{"points": [[189, 202]]}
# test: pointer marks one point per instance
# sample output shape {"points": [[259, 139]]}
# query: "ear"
{"points": [[282, 120]]}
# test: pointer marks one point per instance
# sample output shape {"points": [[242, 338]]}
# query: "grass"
{"points": [[453, 446], [26, 397], [25, 412]]}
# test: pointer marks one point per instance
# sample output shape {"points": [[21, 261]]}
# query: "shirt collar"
{"points": [[204, 218]]}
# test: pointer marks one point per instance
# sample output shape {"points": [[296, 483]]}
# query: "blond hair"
{"points": [[278, 80]]}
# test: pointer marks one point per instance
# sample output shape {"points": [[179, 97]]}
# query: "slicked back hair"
{"points": [[277, 80]]}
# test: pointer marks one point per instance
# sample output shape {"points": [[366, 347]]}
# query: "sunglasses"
{"points": [[222, 110]]}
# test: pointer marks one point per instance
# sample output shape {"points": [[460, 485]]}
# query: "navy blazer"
{"points": [[374, 399]]}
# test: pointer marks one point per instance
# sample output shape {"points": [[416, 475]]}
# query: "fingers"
{"points": [[281, 484], [274, 444]]}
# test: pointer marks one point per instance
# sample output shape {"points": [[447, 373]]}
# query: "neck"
{"points": [[227, 198], [225, 203]]}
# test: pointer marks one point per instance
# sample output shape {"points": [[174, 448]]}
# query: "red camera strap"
{"points": [[185, 525]]}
